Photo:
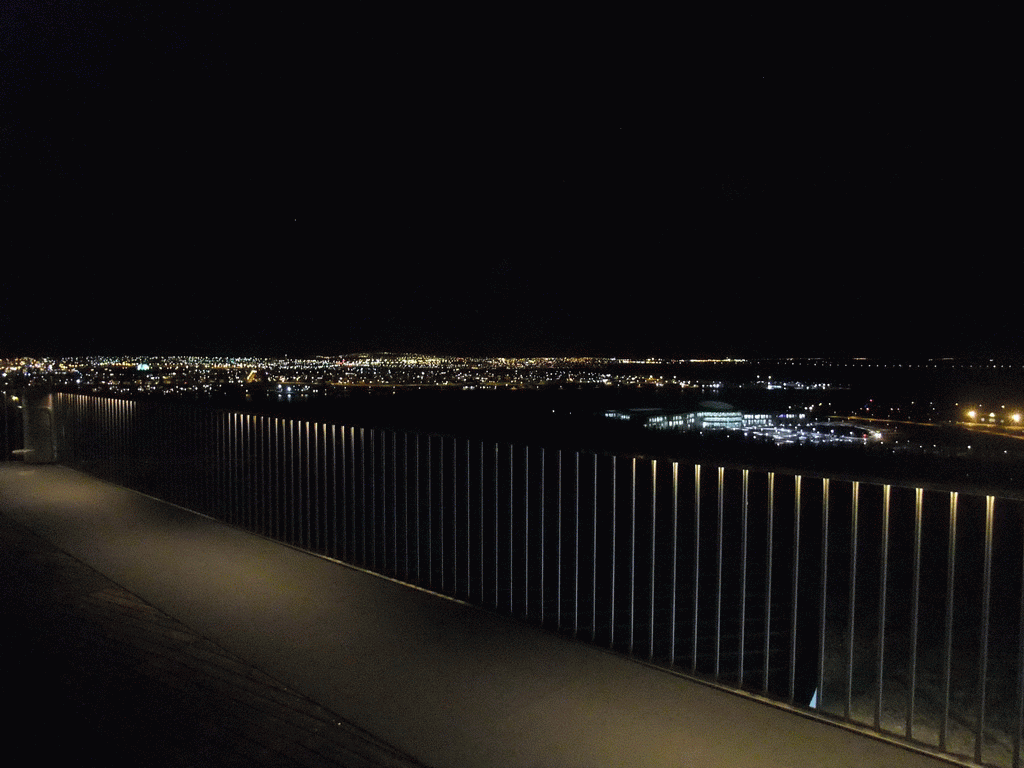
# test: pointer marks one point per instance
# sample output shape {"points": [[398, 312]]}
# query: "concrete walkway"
{"points": [[322, 664]]}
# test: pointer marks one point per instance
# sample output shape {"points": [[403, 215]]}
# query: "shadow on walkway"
{"points": [[99, 677]]}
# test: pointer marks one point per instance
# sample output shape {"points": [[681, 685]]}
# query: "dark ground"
{"points": [[99, 677]]}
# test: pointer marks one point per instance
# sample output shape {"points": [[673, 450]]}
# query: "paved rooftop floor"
{"points": [[138, 630]]}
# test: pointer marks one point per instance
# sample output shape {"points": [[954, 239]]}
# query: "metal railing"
{"points": [[893, 609]]}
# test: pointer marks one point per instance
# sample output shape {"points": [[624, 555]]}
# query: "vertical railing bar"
{"points": [[334, 490], [301, 469], [342, 518], [675, 561], [331, 461], [366, 476], [229, 474], [654, 519], [593, 562], [293, 483], [441, 508], [213, 492], [307, 504], [382, 500], [511, 532], [793, 624], [543, 563], [823, 594], [218, 464], [200, 423], [326, 485], [111, 444], [353, 498], [241, 485], [273, 443], [346, 484], [558, 547], [122, 418], [261, 475], [320, 524], [483, 506], [632, 555], [252, 468], [362, 483], [282, 460], [290, 494], [983, 639], [718, 569], [381, 495], [576, 546], [220, 424], [326, 493], [343, 493], [270, 476], [312, 506], [883, 583], [947, 655], [451, 511], [419, 512], [695, 602], [374, 474], [455, 516], [851, 601], [769, 544], [346, 489], [308, 509], [915, 591], [430, 511], [744, 514], [525, 530], [339, 458], [611, 601], [348, 436], [407, 477], [312, 497], [302, 475], [243, 468], [394, 503], [113, 436], [497, 528]]}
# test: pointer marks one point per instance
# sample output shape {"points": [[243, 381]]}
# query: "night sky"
{"points": [[209, 179]]}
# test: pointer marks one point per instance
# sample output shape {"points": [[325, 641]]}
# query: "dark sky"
{"points": [[204, 179]]}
